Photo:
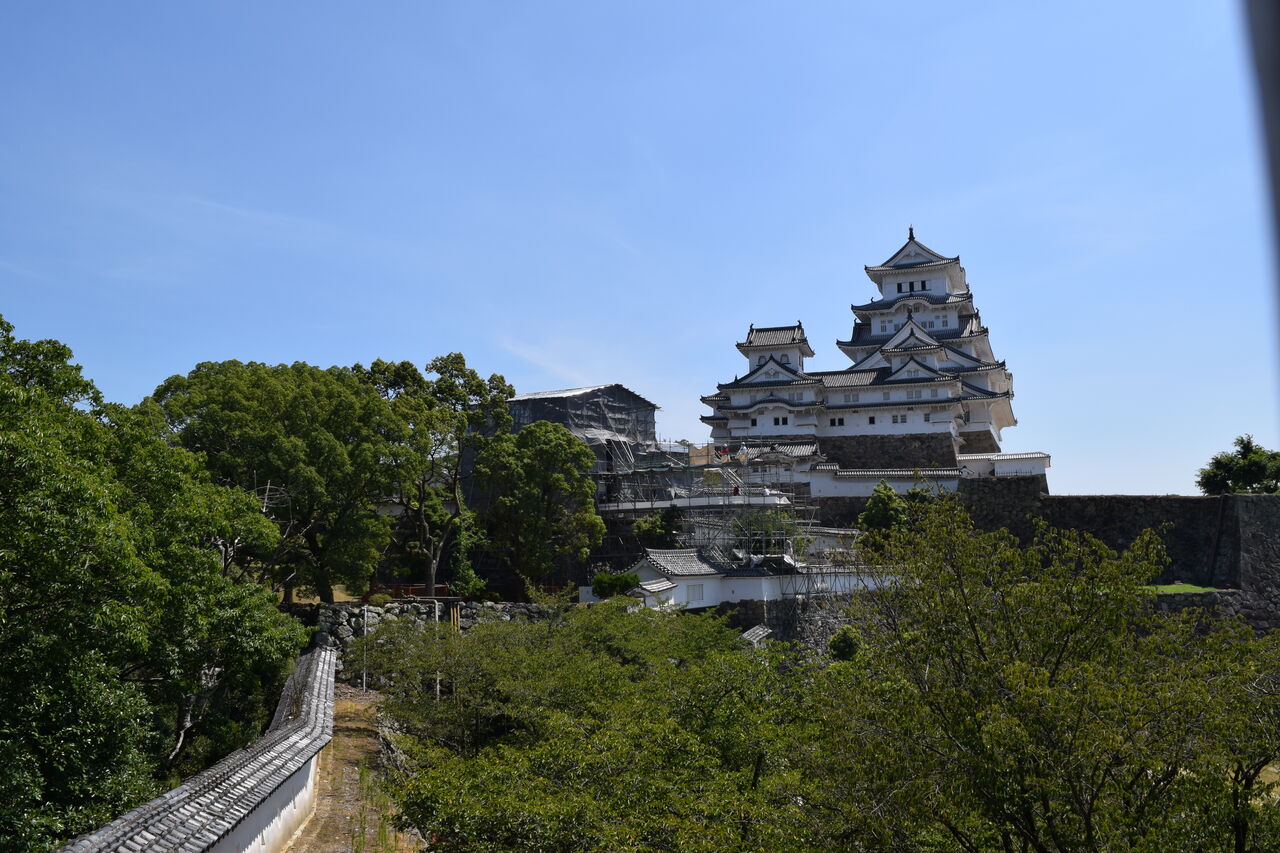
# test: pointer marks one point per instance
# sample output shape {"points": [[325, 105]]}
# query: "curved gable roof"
{"points": [[913, 254]]}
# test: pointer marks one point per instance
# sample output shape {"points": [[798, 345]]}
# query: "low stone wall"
{"points": [[338, 625], [254, 799], [809, 620]]}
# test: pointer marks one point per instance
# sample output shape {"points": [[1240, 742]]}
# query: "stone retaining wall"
{"points": [[338, 625]]}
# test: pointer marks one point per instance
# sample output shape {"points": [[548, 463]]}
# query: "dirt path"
{"points": [[352, 815]]}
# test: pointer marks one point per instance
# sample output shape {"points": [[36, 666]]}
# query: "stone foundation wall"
{"points": [[978, 441], [928, 450], [338, 625]]}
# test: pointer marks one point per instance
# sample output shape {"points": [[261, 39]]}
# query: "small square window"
{"points": [[926, 417], [777, 421], [924, 285], [872, 420], [760, 360], [753, 421], [886, 395], [833, 422], [839, 421], [784, 420], [899, 287], [933, 392]]}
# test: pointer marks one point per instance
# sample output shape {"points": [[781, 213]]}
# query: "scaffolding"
{"points": [[744, 505]]}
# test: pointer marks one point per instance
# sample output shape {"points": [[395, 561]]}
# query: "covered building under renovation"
{"points": [[616, 423]]}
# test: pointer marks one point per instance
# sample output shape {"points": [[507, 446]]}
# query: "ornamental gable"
{"points": [[914, 252], [914, 370], [772, 372]]}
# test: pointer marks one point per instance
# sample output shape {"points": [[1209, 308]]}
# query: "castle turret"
{"points": [[924, 387]]}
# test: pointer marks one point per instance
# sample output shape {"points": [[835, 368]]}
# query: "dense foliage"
{"points": [[130, 653], [361, 466], [659, 529], [311, 444], [442, 425], [608, 584], [543, 498], [607, 730], [988, 698], [1250, 468]]}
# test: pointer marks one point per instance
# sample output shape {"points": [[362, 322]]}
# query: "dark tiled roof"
{"points": [[964, 457], [851, 378], [897, 473], [747, 571], [201, 811], [775, 336], [576, 392], [919, 265], [896, 404], [681, 562], [659, 585], [891, 302], [797, 377], [798, 380], [772, 400], [863, 336], [788, 448]]}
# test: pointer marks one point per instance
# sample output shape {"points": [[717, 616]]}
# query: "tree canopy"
{"points": [[311, 444], [543, 506], [659, 529], [443, 424], [1250, 468], [984, 697], [129, 651], [608, 730]]}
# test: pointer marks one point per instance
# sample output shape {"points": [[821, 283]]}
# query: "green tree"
{"points": [[606, 731], [543, 507], [1250, 468], [128, 649], [607, 584], [1002, 698], [771, 531], [444, 423], [886, 510], [312, 444], [659, 529]]}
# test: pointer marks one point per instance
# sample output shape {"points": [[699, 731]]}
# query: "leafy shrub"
{"points": [[844, 645], [607, 585]]}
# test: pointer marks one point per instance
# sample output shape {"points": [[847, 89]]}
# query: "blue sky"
{"points": [[580, 193]]}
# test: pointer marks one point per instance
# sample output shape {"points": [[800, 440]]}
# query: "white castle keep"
{"points": [[924, 397]]}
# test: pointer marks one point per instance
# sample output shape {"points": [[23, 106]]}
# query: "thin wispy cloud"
{"points": [[540, 358]]}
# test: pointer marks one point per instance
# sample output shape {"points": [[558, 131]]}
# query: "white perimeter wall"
{"points": [[271, 826]]}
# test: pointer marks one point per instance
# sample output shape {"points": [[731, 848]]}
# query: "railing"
{"points": [[252, 800]]}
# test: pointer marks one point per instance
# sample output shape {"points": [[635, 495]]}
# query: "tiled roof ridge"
{"points": [[934, 299], [198, 813], [911, 238], [574, 392]]}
